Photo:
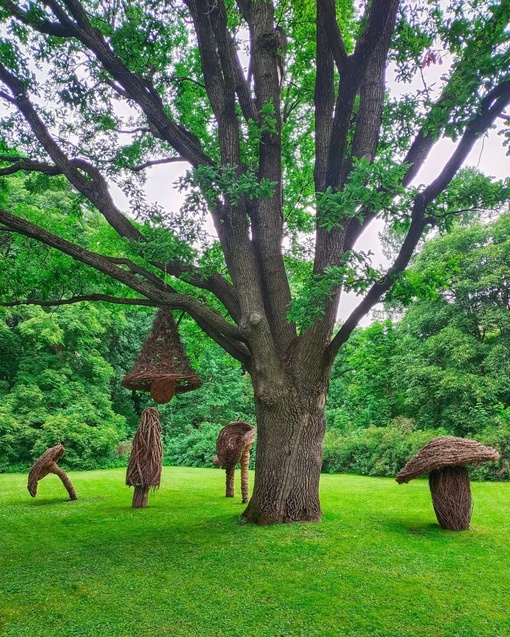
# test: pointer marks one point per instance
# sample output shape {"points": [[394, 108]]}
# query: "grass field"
{"points": [[377, 565]]}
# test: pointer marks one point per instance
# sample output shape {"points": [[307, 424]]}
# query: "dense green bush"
{"points": [[195, 448], [374, 451], [57, 387], [383, 451]]}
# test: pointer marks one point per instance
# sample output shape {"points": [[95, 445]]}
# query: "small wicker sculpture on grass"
{"points": [[47, 463], [233, 445], [162, 368], [144, 466], [444, 458]]}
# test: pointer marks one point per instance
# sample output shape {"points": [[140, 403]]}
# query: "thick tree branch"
{"points": [[416, 156], [492, 105], [324, 97], [20, 163], [266, 214], [88, 180], [107, 298], [157, 162], [380, 18], [326, 9], [242, 87], [43, 26], [210, 57], [371, 98], [132, 86], [82, 175], [139, 270], [226, 334]]}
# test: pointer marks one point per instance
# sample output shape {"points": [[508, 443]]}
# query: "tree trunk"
{"points": [[290, 434]]}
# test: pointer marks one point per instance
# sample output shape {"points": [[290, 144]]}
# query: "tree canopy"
{"points": [[294, 143]]}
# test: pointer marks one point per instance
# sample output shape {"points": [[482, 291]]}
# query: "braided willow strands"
{"points": [[444, 458], [245, 475], [145, 462], [47, 463], [445, 451], [233, 445], [230, 474], [162, 368], [451, 497]]}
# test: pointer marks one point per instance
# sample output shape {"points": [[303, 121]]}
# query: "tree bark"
{"points": [[290, 434]]}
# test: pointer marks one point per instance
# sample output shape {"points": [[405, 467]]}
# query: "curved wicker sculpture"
{"points": [[145, 462], [233, 445], [47, 463], [445, 459], [162, 368]]}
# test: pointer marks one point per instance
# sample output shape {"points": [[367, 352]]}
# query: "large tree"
{"points": [[294, 145]]}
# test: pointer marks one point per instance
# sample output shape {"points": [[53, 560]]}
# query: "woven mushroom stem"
{"points": [[451, 497], [47, 463], [145, 462], [445, 451], [162, 368]]}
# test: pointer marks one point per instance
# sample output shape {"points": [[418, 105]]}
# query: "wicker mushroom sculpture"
{"points": [[233, 445], [162, 368], [445, 459], [47, 463], [146, 459]]}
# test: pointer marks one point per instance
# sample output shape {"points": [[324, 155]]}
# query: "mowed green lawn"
{"points": [[377, 565]]}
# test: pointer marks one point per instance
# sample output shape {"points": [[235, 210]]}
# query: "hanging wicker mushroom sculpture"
{"points": [[146, 459], [445, 459], [233, 445], [162, 368], [47, 463]]}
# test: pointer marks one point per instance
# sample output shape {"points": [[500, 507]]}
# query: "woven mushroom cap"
{"points": [[231, 442], [445, 451], [41, 467], [162, 368]]}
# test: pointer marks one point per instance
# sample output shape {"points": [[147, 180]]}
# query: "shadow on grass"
{"points": [[41, 502], [420, 528]]}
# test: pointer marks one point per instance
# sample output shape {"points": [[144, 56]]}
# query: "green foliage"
{"points": [[363, 389], [374, 451], [227, 181], [444, 368], [372, 187], [194, 448], [58, 388], [356, 274]]}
